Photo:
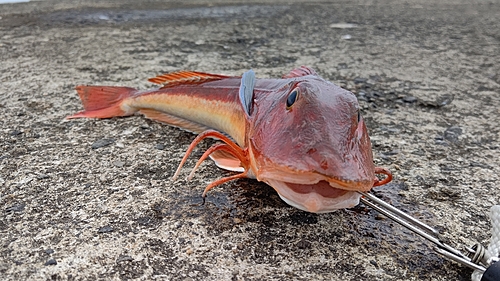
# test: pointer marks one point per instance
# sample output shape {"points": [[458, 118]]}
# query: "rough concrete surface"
{"points": [[93, 199]]}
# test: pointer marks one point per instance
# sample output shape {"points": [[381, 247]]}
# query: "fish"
{"points": [[300, 134]]}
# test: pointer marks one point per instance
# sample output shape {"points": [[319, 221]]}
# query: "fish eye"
{"points": [[292, 98]]}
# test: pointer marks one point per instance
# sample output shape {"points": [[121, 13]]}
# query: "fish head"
{"points": [[309, 142]]}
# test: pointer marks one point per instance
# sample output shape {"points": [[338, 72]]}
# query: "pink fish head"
{"points": [[310, 143]]}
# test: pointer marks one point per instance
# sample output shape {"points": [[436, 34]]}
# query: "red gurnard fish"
{"points": [[301, 134]]}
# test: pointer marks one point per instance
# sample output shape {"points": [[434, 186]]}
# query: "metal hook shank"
{"points": [[419, 228]]}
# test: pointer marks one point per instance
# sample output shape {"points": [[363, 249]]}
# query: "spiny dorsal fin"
{"points": [[300, 71], [246, 91], [185, 78]]}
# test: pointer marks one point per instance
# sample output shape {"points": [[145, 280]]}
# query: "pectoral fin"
{"points": [[246, 91]]}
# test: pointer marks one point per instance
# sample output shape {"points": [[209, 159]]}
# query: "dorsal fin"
{"points": [[300, 71], [246, 91], [185, 78]]}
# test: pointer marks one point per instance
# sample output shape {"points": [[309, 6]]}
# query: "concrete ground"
{"points": [[93, 199]]}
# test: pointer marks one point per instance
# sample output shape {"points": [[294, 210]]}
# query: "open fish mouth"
{"points": [[320, 197], [317, 193]]}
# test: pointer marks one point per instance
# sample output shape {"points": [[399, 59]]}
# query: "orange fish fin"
{"points": [[299, 72], [227, 161], [185, 78], [173, 120], [228, 145], [102, 101]]}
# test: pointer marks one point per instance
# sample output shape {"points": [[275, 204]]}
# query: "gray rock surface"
{"points": [[427, 76]]}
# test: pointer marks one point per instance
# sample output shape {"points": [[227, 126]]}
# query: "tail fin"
{"points": [[102, 101]]}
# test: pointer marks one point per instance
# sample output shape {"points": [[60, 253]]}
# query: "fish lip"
{"points": [[351, 185], [314, 201], [311, 178]]}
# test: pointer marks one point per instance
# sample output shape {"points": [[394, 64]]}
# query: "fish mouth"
{"points": [[320, 197]]}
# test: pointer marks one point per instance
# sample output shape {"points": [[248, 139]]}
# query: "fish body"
{"points": [[301, 134]]}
